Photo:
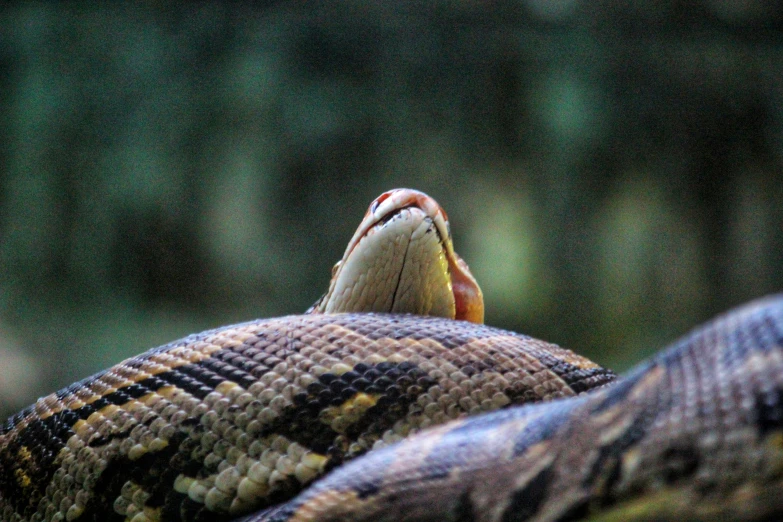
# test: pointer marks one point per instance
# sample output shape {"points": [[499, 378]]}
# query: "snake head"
{"points": [[402, 260]]}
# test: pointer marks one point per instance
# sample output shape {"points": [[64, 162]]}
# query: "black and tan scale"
{"points": [[694, 434], [237, 419]]}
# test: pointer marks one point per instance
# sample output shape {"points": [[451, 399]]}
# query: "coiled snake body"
{"points": [[233, 422], [696, 433]]}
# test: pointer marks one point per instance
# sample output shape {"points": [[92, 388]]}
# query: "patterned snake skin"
{"points": [[696, 433], [233, 420]]}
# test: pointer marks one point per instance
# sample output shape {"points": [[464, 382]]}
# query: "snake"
{"points": [[401, 405]]}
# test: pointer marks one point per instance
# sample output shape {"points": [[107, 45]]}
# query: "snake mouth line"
{"points": [[400, 272], [392, 214]]}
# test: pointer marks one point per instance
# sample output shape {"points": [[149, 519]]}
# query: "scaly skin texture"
{"points": [[696, 433], [233, 420]]}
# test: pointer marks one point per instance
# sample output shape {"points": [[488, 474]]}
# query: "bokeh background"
{"points": [[612, 170]]}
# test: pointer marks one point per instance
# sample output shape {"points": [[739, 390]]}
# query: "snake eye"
{"points": [[380, 199]]}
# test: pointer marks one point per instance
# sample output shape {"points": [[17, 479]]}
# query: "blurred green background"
{"points": [[612, 170]]}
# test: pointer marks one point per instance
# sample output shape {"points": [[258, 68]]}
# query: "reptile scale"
{"points": [[234, 423]]}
